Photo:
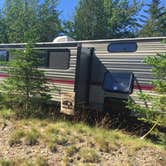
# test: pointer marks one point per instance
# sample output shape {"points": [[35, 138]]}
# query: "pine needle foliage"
{"points": [[26, 83], [155, 112], [153, 20]]}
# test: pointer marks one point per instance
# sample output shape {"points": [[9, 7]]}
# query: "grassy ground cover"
{"points": [[46, 142]]}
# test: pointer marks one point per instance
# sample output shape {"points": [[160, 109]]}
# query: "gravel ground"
{"points": [[116, 157]]}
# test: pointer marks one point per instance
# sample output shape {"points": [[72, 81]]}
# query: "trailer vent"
{"points": [[61, 39]]}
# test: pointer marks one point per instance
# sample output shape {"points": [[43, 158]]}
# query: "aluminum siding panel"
{"points": [[63, 80], [122, 61]]}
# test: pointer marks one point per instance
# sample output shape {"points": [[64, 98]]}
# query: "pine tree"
{"points": [[30, 20], [68, 29], [154, 24], [155, 113], [20, 17], [3, 28], [98, 19], [49, 24], [25, 82]]}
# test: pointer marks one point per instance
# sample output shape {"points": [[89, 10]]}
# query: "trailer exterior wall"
{"points": [[63, 80], [122, 61], [102, 60]]}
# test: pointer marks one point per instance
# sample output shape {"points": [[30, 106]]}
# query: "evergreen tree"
{"points": [[3, 29], [20, 17], [30, 19], [98, 19], [155, 112], [68, 29], [25, 82], [49, 22], [155, 23]]}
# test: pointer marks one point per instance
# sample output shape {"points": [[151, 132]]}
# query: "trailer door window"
{"points": [[3, 55], [59, 59], [122, 47], [118, 82]]}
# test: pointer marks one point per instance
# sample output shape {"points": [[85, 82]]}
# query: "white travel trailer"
{"points": [[97, 73]]}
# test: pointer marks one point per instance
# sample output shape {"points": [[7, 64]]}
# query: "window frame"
{"points": [[131, 82], [122, 43]]}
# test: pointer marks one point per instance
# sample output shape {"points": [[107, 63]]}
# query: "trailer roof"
{"points": [[41, 44], [124, 39], [77, 43]]}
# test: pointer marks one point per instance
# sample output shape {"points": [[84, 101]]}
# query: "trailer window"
{"points": [[59, 59], [122, 47], [118, 82], [3, 55]]}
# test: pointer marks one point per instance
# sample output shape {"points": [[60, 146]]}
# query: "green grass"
{"points": [[15, 162], [60, 140], [32, 137], [5, 162], [62, 133], [104, 145], [15, 137], [41, 161], [6, 114], [78, 141], [71, 150], [52, 146], [89, 155]]}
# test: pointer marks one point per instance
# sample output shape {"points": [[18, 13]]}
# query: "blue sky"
{"points": [[66, 7]]}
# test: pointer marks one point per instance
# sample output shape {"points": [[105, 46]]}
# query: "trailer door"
{"points": [[83, 76]]}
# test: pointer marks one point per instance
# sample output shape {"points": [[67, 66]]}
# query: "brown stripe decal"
{"points": [[139, 87], [72, 82], [3, 75], [144, 87]]}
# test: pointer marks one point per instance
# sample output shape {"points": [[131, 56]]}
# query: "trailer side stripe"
{"points": [[3, 75], [144, 87], [72, 82], [137, 87]]}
